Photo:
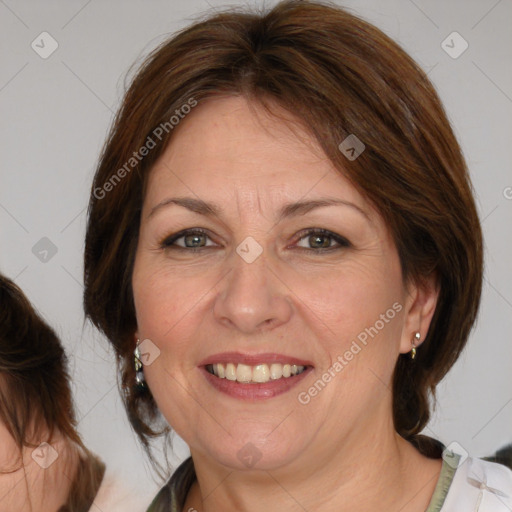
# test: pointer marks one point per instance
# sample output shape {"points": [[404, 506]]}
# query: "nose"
{"points": [[252, 298]]}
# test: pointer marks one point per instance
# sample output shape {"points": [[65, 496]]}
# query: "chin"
{"points": [[259, 451]]}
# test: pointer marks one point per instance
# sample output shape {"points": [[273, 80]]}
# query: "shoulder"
{"points": [[480, 485], [114, 496]]}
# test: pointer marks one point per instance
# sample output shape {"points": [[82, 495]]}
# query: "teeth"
{"points": [[243, 373], [230, 371], [276, 371], [259, 373]]}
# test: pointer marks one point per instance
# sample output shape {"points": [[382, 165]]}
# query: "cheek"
{"points": [[169, 313], [355, 297], [9, 451], [357, 317], [162, 301]]}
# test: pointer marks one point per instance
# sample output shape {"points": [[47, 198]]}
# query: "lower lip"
{"points": [[254, 391]]}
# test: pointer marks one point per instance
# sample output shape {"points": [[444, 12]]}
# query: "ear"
{"points": [[420, 305]]}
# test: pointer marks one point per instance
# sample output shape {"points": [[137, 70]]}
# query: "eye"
{"points": [[189, 239], [195, 240], [321, 240]]}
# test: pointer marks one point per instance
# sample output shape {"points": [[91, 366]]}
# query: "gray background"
{"points": [[55, 113]]}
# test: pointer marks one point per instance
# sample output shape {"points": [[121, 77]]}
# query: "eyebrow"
{"points": [[288, 210]]}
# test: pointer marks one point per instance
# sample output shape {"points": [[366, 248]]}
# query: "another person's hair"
{"points": [[338, 75], [502, 456], [35, 395]]}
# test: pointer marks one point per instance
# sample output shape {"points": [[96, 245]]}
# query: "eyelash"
{"points": [[168, 243]]}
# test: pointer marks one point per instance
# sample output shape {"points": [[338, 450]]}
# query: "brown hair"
{"points": [[35, 396], [338, 75]]}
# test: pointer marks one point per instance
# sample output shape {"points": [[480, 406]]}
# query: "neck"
{"points": [[372, 469]]}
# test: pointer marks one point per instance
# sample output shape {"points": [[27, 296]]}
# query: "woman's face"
{"points": [[31, 479], [288, 265]]}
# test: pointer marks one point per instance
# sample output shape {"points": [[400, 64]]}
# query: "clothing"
{"points": [[470, 485], [474, 486], [113, 496]]}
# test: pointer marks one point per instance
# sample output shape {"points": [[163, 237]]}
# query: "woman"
{"points": [[284, 251], [44, 465]]}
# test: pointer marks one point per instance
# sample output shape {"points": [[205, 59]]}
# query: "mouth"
{"points": [[257, 374], [253, 377]]}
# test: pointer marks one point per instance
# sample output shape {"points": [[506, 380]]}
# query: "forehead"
{"points": [[228, 147]]}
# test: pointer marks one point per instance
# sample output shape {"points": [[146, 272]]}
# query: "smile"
{"points": [[256, 374]]}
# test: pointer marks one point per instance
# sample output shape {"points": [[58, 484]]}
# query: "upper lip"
{"points": [[253, 359]]}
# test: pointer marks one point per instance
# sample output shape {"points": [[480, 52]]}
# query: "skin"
{"points": [[292, 301], [28, 487]]}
